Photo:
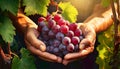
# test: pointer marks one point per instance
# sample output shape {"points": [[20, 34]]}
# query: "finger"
{"points": [[80, 54], [31, 38], [65, 62], [85, 43], [45, 55]]}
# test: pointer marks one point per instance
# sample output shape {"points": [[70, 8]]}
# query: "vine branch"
{"points": [[116, 22]]}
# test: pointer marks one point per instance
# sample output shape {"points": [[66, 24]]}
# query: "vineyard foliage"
{"points": [[69, 12]]}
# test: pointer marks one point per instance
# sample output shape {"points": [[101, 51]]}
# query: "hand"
{"points": [[86, 46], [37, 47]]}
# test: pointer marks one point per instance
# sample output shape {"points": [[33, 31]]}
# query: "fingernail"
{"points": [[42, 48]]}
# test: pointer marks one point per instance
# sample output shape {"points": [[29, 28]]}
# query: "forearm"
{"points": [[100, 19], [22, 22]]}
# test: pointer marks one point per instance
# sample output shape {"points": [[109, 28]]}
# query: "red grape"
{"points": [[64, 29], [66, 40], [56, 28], [75, 40], [78, 32], [73, 26], [70, 47], [40, 19], [57, 17], [59, 36], [51, 23], [61, 22], [70, 34]]}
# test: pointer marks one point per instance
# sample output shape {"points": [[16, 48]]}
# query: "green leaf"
{"points": [[36, 7], [7, 30], [25, 62], [69, 12], [9, 5], [105, 3], [105, 49]]}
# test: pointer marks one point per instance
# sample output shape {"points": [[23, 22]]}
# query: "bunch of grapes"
{"points": [[59, 35]]}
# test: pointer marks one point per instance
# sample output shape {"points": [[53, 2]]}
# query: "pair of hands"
{"points": [[38, 48]]}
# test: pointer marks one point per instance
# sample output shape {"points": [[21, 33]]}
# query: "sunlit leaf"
{"points": [[69, 12], [36, 7]]}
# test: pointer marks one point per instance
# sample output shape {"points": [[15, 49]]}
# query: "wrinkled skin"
{"points": [[86, 46], [38, 48]]}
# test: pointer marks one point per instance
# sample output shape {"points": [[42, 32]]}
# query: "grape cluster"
{"points": [[59, 35]]}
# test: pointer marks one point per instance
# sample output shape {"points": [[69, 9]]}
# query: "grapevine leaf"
{"points": [[69, 12], [25, 62], [36, 7], [105, 49], [105, 3], [9, 5], [7, 30]]}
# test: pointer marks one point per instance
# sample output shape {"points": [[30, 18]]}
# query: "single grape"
{"points": [[57, 17], [70, 47], [64, 29], [56, 28], [59, 36], [40, 19], [51, 23], [45, 29], [62, 47], [41, 24], [56, 43], [50, 49], [73, 26], [51, 34], [66, 40], [56, 51], [76, 48], [61, 22], [78, 32], [75, 40], [70, 34]]}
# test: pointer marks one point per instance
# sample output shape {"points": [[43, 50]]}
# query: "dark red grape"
{"points": [[64, 29], [51, 23], [78, 32], [70, 47], [73, 26], [41, 19], [75, 40], [66, 40], [56, 28], [70, 34], [57, 17], [61, 22]]}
